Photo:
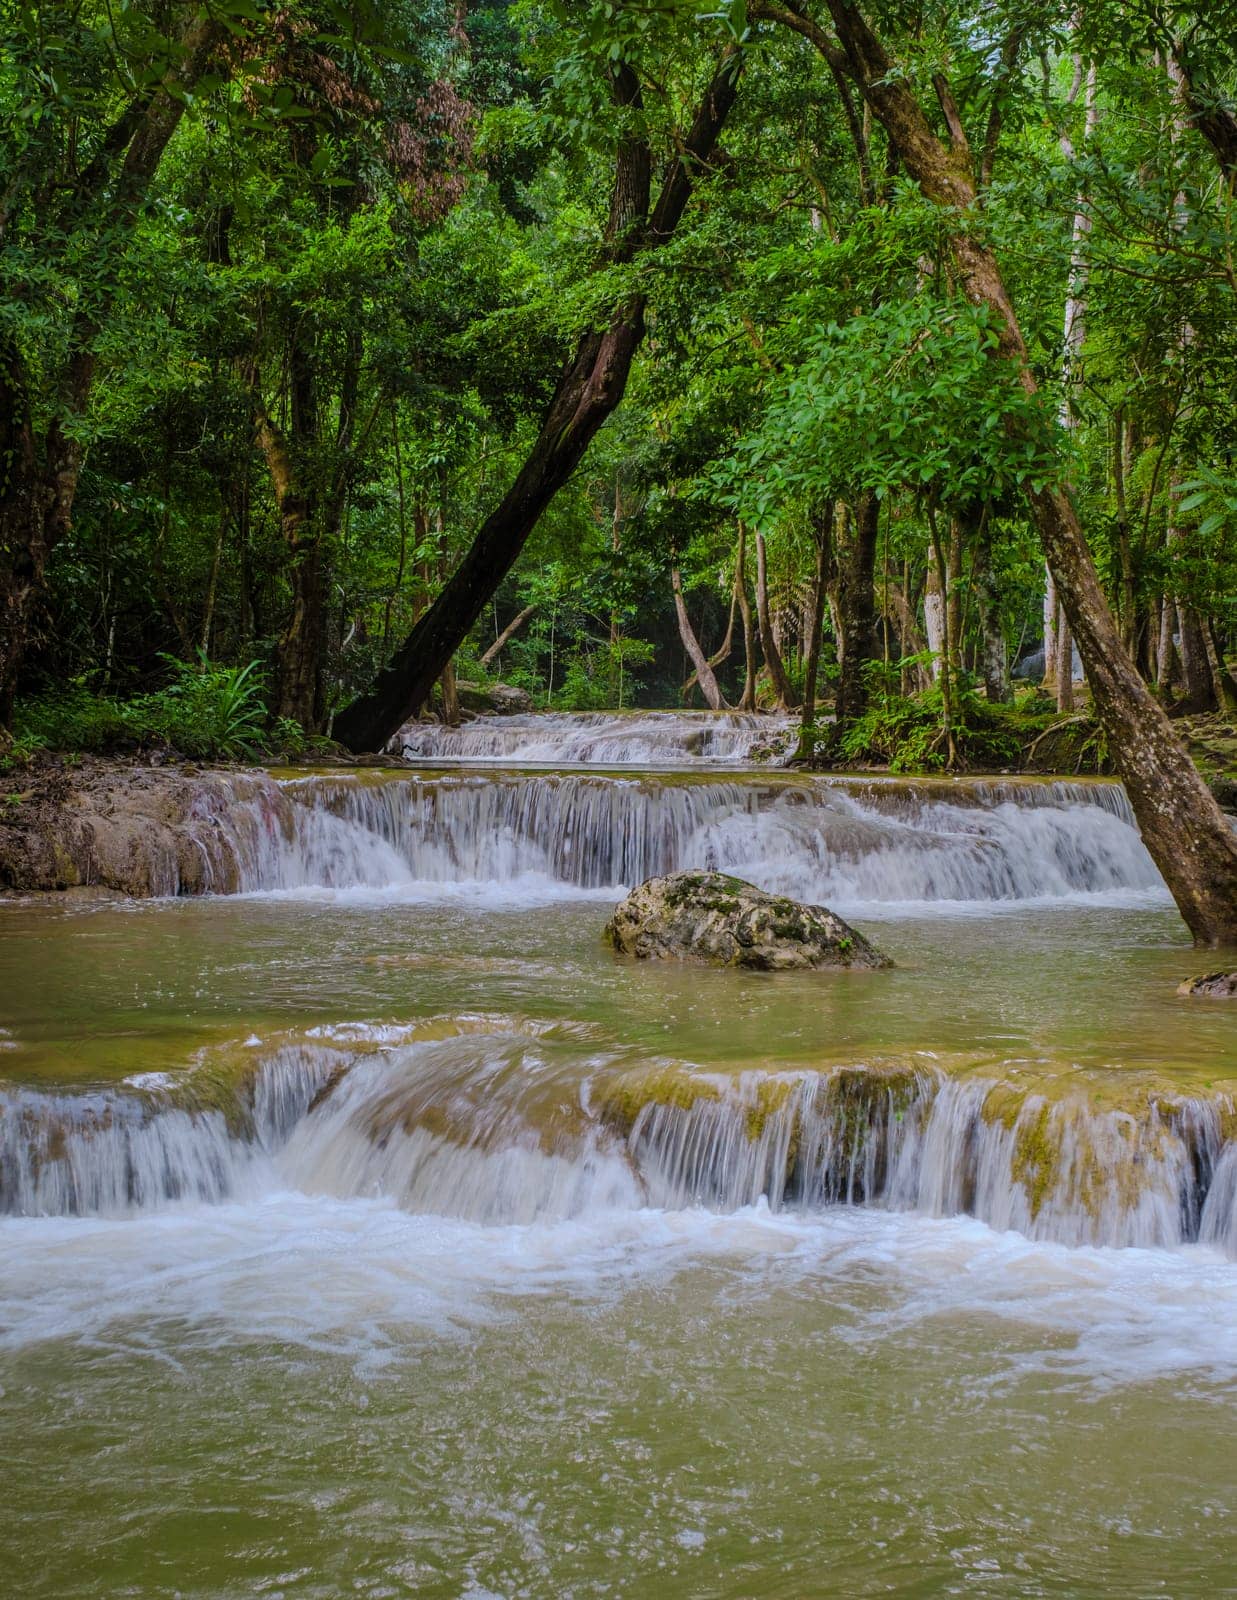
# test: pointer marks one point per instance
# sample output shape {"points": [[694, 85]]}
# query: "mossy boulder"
{"points": [[721, 921], [495, 699], [1211, 986]]}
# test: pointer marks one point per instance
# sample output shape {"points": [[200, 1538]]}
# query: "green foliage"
{"points": [[908, 733], [206, 711]]}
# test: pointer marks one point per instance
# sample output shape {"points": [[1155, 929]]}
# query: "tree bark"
{"points": [[509, 632], [1065, 664], [856, 602], [748, 699], [822, 538], [704, 672], [774, 664], [590, 388], [994, 657], [1181, 824]]}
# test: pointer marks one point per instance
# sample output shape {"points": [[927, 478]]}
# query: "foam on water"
{"points": [[365, 1279]]}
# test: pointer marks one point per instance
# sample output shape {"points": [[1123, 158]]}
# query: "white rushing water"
{"points": [[484, 1126], [849, 846], [429, 1186], [667, 739]]}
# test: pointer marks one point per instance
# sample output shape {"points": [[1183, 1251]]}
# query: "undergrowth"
{"points": [[204, 710], [908, 734]]}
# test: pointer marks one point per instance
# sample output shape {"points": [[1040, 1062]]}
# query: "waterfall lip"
{"points": [[514, 837], [509, 1120]]}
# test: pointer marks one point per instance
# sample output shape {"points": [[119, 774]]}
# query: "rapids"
{"points": [[847, 844], [373, 1229], [649, 739]]}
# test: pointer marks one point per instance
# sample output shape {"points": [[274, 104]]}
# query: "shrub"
{"points": [[206, 710]]}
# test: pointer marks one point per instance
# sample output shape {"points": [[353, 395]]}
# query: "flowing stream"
{"points": [[372, 1229]]}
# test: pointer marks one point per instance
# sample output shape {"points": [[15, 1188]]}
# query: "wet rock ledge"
{"points": [[716, 920]]}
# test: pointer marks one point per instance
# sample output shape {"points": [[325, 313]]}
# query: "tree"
{"points": [[1180, 821], [590, 388]]}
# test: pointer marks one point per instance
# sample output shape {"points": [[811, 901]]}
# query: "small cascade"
{"points": [[501, 1123], [830, 842], [107, 1153], [604, 739]]}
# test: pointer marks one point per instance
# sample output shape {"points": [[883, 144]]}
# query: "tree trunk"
{"points": [[588, 391], [1052, 617], [856, 600], [1065, 664], [298, 675], [721, 654], [450, 696], [994, 657], [822, 537], [768, 644], [946, 676], [934, 615], [1195, 668], [704, 672], [748, 700], [1181, 824], [512, 628], [1165, 653], [1225, 686], [1129, 606]]}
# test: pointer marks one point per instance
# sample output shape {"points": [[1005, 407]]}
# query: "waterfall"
{"points": [[841, 843], [604, 738], [499, 1122]]}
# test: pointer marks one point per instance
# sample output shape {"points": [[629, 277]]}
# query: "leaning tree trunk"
{"points": [[1181, 824], [589, 390], [704, 672], [512, 628]]}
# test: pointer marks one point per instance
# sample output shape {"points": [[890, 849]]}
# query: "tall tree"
{"points": [[1180, 821], [83, 203], [592, 385]]}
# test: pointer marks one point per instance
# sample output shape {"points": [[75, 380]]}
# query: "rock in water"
{"points": [[709, 917], [1212, 986]]}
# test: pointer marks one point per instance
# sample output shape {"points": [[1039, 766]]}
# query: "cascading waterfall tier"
{"points": [[604, 738], [829, 841], [847, 841], [500, 1121]]}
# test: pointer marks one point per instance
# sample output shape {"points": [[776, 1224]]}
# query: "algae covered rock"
{"points": [[1211, 986], [722, 921], [498, 699]]}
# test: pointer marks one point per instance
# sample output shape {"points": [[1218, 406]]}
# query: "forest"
{"points": [[872, 364], [618, 799]]}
